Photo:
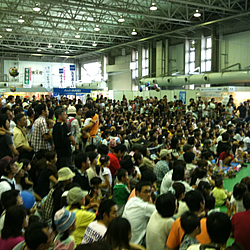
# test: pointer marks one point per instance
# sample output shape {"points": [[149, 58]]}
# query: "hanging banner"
{"points": [[61, 78], [72, 76], [182, 96], [47, 78], [27, 78]]}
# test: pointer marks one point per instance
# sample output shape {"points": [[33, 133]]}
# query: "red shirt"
{"points": [[241, 227], [114, 164], [224, 155]]}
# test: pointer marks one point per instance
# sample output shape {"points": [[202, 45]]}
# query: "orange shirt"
{"points": [[176, 234], [94, 128]]}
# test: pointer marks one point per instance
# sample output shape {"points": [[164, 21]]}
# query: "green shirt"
{"points": [[121, 193]]}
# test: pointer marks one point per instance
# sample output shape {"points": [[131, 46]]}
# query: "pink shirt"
{"points": [[10, 243]]}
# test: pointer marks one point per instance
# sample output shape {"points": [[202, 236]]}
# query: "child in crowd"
{"points": [[189, 158], [89, 115], [65, 222], [220, 194], [121, 190], [105, 175], [191, 225], [96, 193], [50, 125], [204, 187], [26, 182]]}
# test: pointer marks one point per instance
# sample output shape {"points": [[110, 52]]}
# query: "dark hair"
{"points": [[137, 156], [189, 157], [90, 148], [120, 147], [105, 208], [89, 114], [191, 140], [103, 149], [35, 236], [148, 176], [189, 222], [179, 189], [166, 205], [78, 106], [99, 245], [246, 181], [218, 181], [202, 163], [246, 201], [50, 155], [33, 219], [209, 202], [202, 186], [95, 181], [3, 119], [239, 190], [225, 137], [178, 173], [59, 112], [121, 173], [219, 227], [117, 234], [40, 108], [104, 159], [13, 222], [140, 185], [194, 199], [9, 198], [92, 156], [80, 158], [143, 150], [25, 162], [18, 117], [89, 106]]}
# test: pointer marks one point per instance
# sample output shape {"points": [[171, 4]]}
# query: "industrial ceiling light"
{"points": [[197, 13], [153, 7], [62, 41], [77, 35], [94, 44], [193, 42], [96, 28], [134, 33], [121, 19], [9, 29], [36, 8], [49, 46], [20, 20], [1, 36], [39, 50], [66, 52]]}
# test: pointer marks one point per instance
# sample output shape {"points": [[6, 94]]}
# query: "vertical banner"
{"points": [[61, 78], [47, 78], [72, 76], [182, 96], [27, 78]]}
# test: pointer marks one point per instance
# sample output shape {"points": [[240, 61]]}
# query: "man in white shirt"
{"points": [[138, 211]]}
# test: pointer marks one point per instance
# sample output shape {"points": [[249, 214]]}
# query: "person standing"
{"points": [[40, 134], [62, 139]]}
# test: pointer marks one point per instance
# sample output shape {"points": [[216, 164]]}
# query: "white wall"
{"points": [[176, 58], [236, 49], [38, 79]]}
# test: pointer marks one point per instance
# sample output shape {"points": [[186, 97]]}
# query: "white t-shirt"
{"points": [[5, 186], [157, 231], [238, 204], [94, 232], [87, 121], [2, 219], [246, 141], [91, 172], [181, 209], [106, 171], [166, 182], [12, 125], [138, 213]]}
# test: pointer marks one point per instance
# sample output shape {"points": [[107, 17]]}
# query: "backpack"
{"points": [[48, 204], [69, 123]]}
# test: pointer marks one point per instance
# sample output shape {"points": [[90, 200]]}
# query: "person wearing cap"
{"points": [[162, 166], [63, 139], [73, 123], [76, 201], [20, 137], [65, 222], [8, 169], [186, 148]]}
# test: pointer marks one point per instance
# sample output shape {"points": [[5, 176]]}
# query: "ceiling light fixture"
{"points": [[20, 20], [39, 50], [66, 52], [153, 7], [121, 19], [197, 13], [96, 28], [9, 29], [94, 44], [77, 35], [36, 8], [134, 33], [193, 42], [1, 36], [49, 46], [62, 41]]}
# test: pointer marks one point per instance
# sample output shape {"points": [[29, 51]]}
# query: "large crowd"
{"points": [[123, 174]]}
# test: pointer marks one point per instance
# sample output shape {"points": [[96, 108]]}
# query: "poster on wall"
{"points": [[27, 78], [182, 96], [72, 76], [61, 83], [47, 78]]}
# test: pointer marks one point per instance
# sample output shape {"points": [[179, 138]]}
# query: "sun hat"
{"points": [[71, 110], [63, 220], [222, 131], [5, 161], [65, 174], [19, 165], [165, 152], [75, 194]]}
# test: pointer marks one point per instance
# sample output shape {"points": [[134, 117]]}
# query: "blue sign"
{"points": [[182, 96], [70, 91], [72, 67], [60, 71]]}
